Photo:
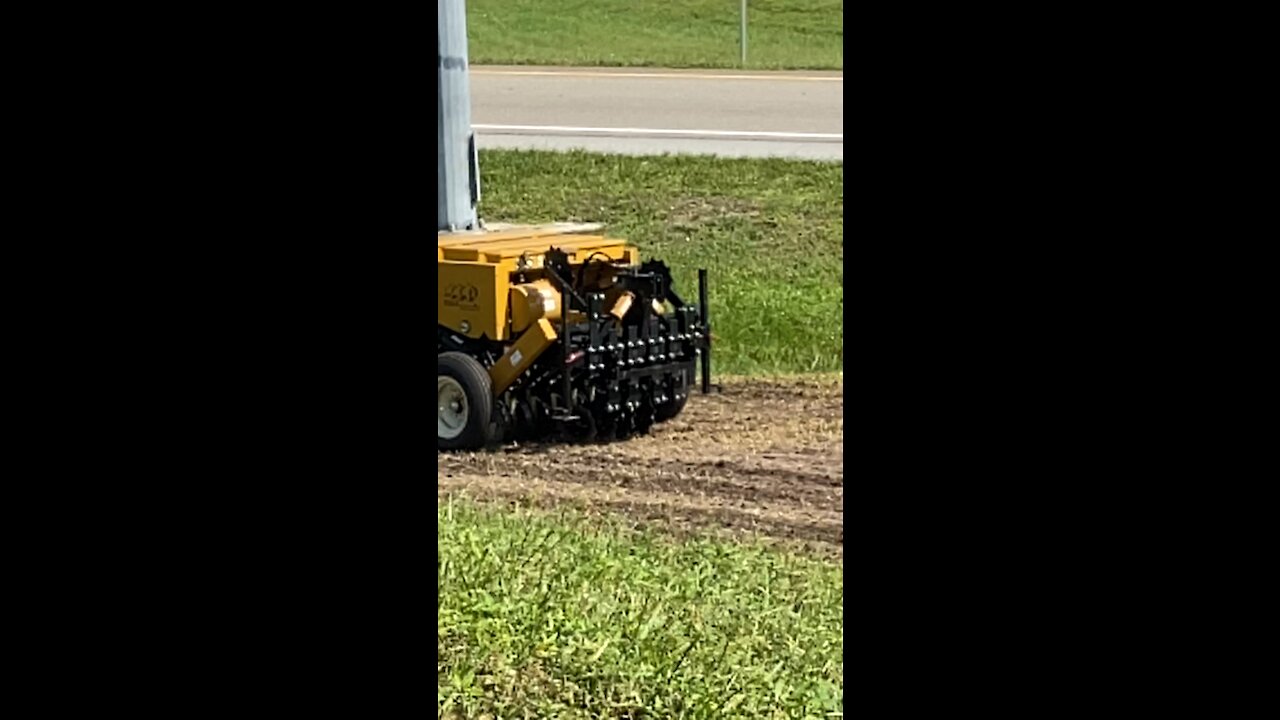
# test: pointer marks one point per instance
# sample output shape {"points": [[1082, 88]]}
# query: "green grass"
{"points": [[565, 616], [770, 233], [689, 33]]}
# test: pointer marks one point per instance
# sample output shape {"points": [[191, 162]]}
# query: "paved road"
{"points": [[645, 111]]}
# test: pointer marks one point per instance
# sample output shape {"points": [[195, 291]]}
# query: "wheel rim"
{"points": [[451, 404]]}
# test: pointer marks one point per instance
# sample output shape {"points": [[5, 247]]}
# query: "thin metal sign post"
{"points": [[743, 42]]}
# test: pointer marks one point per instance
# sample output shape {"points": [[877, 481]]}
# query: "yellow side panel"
{"points": [[473, 299], [521, 355]]}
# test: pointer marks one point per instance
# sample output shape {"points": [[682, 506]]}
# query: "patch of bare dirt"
{"points": [[761, 458], [693, 214]]}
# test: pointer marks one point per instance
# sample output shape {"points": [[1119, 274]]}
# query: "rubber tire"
{"points": [[478, 388]]}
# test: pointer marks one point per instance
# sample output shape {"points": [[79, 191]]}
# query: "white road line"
{"points": [[686, 76], [566, 130]]}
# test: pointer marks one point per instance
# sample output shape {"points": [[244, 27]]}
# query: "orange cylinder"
{"points": [[532, 302], [622, 305]]}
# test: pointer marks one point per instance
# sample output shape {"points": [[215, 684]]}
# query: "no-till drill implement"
{"points": [[542, 329]]}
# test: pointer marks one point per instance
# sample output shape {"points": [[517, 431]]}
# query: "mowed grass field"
{"points": [[569, 616], [569, 613], [690, 33], [769, 232]]}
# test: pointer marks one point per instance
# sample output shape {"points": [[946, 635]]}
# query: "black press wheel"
{"points": [[671, 408], [676, 401], [464, 402]]}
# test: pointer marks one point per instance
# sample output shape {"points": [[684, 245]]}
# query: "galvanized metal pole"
{"points": [[458, 172], [744, 33]]}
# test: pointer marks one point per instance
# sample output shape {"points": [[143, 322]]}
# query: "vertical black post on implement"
{"points": [[566, 302], [706, 325], [558, 267]]}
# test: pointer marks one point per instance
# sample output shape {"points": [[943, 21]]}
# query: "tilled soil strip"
{"points": [[761, 458]]}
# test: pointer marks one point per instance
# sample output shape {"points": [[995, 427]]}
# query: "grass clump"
{"points": [[567, 616], [770, 233], [690, 33]]}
